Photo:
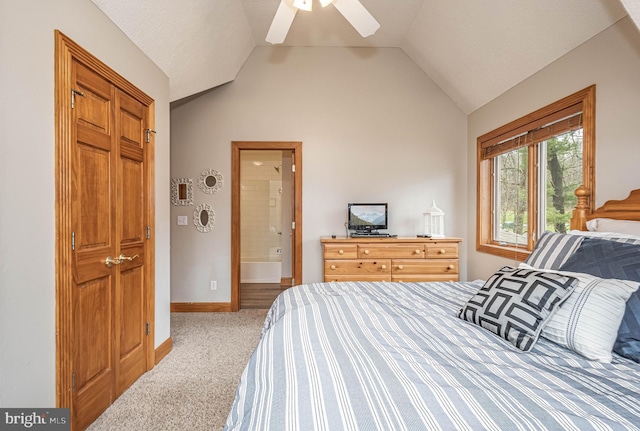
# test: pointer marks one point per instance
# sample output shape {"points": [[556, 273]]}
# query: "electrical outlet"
{"points": [[214, 285]]}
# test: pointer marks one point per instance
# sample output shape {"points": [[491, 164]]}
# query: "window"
{"points": [[528, 171]]}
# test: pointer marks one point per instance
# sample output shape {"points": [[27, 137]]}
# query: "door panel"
{"points": [[93, 331], [92, 214], [132, 204], [132, 195], [93, 198]]}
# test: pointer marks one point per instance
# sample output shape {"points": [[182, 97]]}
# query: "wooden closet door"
{"points": [[109, 198], [131, 226], [93, 220]]}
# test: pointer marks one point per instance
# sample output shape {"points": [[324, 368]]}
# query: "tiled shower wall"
{"points": [[261, 206]]}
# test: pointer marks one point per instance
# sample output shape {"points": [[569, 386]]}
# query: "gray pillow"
{"points": [[516, 303]]}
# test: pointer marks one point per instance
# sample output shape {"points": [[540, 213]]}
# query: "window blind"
{"points": [[557, 123]]}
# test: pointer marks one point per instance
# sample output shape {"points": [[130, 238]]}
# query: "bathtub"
{"points": [[260, 272]]}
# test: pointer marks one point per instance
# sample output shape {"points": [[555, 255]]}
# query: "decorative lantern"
{"points": [[434, 222]]}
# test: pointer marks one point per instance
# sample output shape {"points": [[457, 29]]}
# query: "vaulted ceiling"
{"points": [[474, 50]]}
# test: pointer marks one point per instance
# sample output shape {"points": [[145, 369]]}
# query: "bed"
{"points": [[560, 354]]}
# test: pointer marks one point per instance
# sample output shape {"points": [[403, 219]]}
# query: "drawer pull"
{"points": [[341, 252], [418, 251], [451, 266], [400, 266], [384, 267], [442, 251], [366, 252], [333, 267]]}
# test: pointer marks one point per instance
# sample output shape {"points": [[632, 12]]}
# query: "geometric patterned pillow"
{"points": [[516, 303], [553, 249]]}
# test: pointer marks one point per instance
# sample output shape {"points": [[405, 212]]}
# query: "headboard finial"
{"points": [[582, 209]]}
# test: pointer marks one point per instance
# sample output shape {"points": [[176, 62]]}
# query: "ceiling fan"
{"points": [[352, 10]]}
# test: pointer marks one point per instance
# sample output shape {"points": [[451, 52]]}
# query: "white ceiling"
{"points": [[474, 50]]}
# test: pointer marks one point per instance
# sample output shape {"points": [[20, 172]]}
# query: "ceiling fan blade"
{"points": [[358, 16], [281, 23]]}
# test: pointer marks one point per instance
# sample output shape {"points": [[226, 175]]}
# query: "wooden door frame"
{"points": [[236, 148], [66, 51]]}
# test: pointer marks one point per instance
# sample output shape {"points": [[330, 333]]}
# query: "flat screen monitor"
{"points": [[365, 217]]}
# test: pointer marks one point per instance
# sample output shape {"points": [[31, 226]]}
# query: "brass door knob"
{"points": [[110, 261], [122, 257]]}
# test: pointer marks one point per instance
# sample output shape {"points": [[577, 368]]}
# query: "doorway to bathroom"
{"points": [[266, 242]]}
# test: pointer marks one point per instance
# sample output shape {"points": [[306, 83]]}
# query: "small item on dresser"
{"points": [[424, 235], [333, 236]]}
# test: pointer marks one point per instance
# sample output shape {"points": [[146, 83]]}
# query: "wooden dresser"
{"points": [[390, 259]]}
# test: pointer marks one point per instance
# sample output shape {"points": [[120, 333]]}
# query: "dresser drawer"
{"points": [[340, 251], [405, 251], [423, 278], [361, 266], [434, 266], [442, 250]]}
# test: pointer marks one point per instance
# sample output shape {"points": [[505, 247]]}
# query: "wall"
{"points": [[611, 60], [27, 182], [374, 127]]}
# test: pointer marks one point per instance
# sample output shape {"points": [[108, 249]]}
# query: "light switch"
{"points": [[182, 220]]}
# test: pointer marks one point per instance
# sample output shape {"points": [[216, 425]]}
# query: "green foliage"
{"points": [[563, 174]]}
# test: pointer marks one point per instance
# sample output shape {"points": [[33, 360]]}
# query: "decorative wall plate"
{"points": [[182, 191], [204, 218], [210, 181]]}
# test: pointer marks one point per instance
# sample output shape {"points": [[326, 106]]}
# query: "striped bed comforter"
{"points": [[394, 356]]}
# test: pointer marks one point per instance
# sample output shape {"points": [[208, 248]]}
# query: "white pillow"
{"points": [[610, 225], [588, 321]]}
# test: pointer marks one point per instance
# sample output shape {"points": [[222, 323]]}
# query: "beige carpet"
{"points": [[193, 387]]}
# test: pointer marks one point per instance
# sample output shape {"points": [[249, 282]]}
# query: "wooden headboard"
{"points": [[627, 209]]}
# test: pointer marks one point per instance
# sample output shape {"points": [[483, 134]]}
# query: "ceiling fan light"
{"points": [[303, 4], [325, 3]]}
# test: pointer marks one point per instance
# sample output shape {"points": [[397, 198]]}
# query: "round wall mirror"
{"points": [[204, 218], [210, 181]]}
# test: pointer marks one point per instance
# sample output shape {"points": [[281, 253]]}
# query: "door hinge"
{"points": [[293, 281], [148, 232], [73, 381], [73, 240], [73, 97], [293, 168], [293, 225], [148, 133], [148, 328]]}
